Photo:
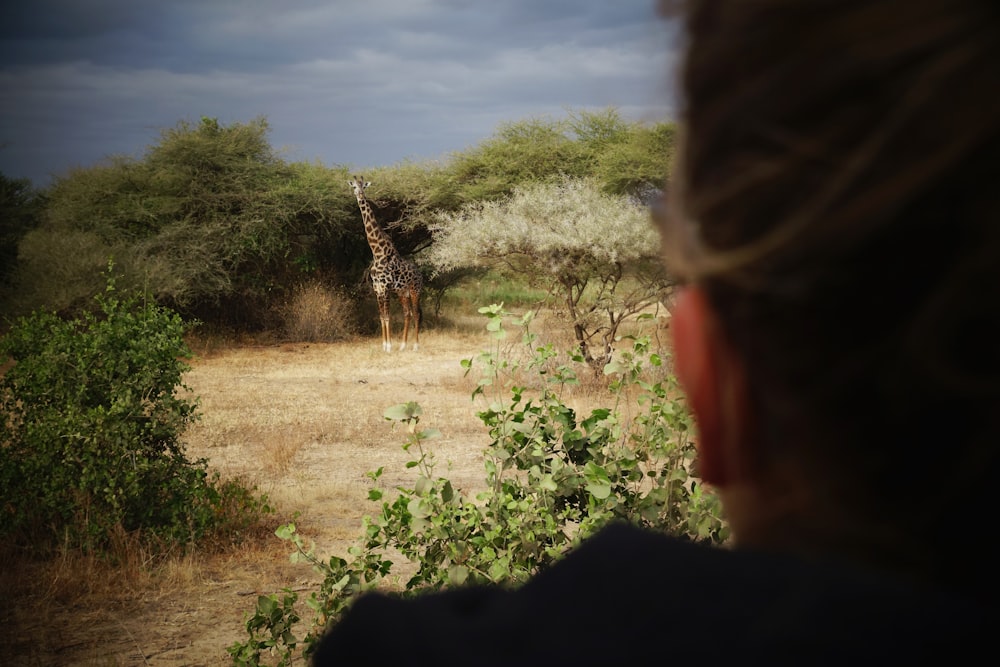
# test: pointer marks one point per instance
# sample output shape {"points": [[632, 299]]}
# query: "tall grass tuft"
{"points": [[317, 313]]}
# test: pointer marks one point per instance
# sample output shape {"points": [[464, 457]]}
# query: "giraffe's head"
{"points": [[358, 185]]}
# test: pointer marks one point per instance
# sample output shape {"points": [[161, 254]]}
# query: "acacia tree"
{"points": [[596, 251], [210, 221]]}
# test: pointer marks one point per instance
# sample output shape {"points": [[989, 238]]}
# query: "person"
{"points": [[833, 213]]}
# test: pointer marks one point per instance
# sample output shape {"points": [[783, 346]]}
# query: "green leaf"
{"points": [[285, 532], [266, 604], [547, 483], [421, 486], [402, 412], [418, 508], [600, 490], [457, 574], [614, 367], [678, 475], [374, 494], [499, 570], [595, 473]]}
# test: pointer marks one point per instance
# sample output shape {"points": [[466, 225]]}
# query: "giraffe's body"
{"points": [[390, 273]]}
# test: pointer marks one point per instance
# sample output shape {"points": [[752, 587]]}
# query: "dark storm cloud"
{"points": [[362, 83]]}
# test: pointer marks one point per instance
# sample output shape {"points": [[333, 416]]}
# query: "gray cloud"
{"points": [[353, 83]]}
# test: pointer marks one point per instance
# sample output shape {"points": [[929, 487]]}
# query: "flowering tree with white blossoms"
{"points": [[598, 253]]}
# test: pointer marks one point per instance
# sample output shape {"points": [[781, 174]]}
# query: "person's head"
{"points": [[835, 214]]}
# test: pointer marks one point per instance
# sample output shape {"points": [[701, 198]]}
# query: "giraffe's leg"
{"points": [[383, 316], [415, 309], [410, 299], [407, 316]]}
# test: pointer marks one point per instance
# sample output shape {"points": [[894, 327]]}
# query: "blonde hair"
{"points": [[835, 198]]}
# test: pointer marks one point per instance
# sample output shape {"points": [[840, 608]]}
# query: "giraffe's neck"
{"points": [[378, 240]]}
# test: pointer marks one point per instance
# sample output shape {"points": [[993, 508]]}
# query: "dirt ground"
{"points": [[304, 423]]}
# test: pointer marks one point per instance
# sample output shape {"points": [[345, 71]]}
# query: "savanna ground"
{"points": [[304, 423]]}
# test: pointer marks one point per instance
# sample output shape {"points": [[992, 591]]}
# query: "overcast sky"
{"points": [[360, 83]]}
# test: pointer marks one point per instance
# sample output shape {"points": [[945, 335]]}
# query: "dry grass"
{"points": [[77, 609], [304, 423], [301, 421], [317, 312]]}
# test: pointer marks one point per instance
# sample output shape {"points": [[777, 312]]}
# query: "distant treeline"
{"points": [[211, 222]]}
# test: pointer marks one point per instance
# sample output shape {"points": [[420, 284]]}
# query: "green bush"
{"points": [[552, 479], [91, 412]]}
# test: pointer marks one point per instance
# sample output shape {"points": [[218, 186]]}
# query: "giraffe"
{"points": [[390, 272]]}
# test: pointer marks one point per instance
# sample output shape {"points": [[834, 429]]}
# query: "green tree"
{"points": [[598, 129], [597, 252], [222, 232], [87, 220], [211, 221], [520, 152], [639, 162], [20, 206]]}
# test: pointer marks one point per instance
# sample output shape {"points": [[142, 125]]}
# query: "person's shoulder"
{"points": [[770, 607], [630, 594]]}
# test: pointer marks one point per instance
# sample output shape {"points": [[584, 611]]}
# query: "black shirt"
{"points": [[632, 597]]}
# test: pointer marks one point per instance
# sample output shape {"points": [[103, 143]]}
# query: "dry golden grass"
{"points": [[316, 312], [302, 421], [80, 610]]}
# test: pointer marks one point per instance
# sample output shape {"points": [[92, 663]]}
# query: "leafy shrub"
{"points": [[552, 477], [90, 418], [318, 313]]}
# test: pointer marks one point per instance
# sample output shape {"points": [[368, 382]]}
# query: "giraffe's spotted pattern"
{"points": [[390, 273]]}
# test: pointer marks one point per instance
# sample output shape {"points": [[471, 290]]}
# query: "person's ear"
{"points": [[715, 382]]}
